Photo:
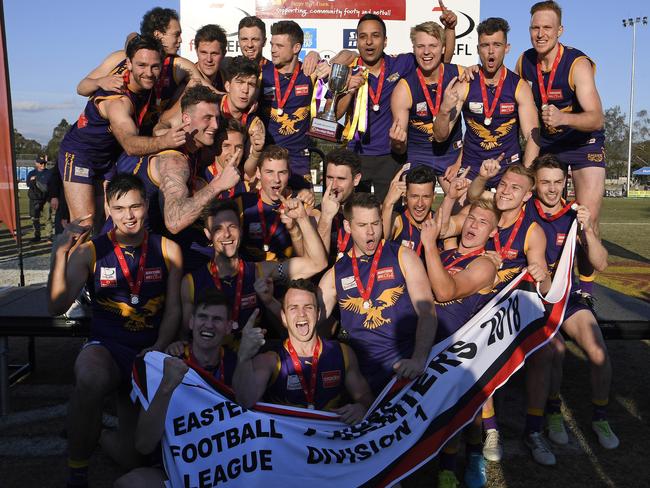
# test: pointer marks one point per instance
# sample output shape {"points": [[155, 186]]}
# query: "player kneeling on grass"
{"points": [[304, 370]]}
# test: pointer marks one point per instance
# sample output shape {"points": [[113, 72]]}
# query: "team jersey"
{"points": [[287, 126], [164, 91], [262, 229], [115, 317], [212, 171], [242, 306], [421, 146], [563, 95], [483, 141], [407, 233], [513, 246], [384, 332], [375, 141], [91, 138], [340, 240], [452, 315], [223, 371], [286, 388]]}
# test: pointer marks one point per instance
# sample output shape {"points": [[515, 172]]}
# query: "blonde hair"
{"points": [[487, 204], [520, 169], [431, 28]]}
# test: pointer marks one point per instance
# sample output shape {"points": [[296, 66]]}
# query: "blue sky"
{"points": [[53, 44]]}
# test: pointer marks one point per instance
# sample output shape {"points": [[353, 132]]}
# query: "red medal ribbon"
{"points": [[503, 252], [489, 111], [310, 394], [161, 80], [134, 287], [556, 215], [425, 88], [464, 257], [365, 292], [225, 108], [216, 169], [126, 76], [282, 99], [408, 219], [193, 363], [380, 84], [266, 237], [341, 242], [238, 287], [545, 90]]}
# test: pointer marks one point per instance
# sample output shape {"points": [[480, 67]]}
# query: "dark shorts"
{"points": [[77, 168], [575, 304], [438, 164], [300, 166], [590, 155], [121, 354], [377, 172]]}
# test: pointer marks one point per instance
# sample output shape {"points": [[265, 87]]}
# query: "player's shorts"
{"points": [[590, 155], [300, 171], [438, 164], [77, 168], [575, 304], [122, 355]]}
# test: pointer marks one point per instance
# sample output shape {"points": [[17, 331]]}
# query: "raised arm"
{"points": [[400, 104], [256, 136], [100, 77], [449, 20], [450, 108], [528, 121], [329, 208], [489, 169], [180, 209], [590, 241], [396, 191]]}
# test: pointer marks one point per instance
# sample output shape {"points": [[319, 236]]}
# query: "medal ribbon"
{"points": [[464, 257], [193, 363], [126, 76], [266, 237], [134, 287], [556, 215], [163, 75], [545, 90], [380, 83], [503, 252], [216, 169], [341, 242], [225, 108], [425, 88], [365, 292], [488, 112], [310, 393], [282, 99], [214, 272], [408, 219]]}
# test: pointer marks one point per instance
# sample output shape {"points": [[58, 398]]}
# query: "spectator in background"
{"points": [[39, 192]]}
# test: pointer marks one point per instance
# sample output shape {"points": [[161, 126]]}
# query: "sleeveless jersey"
{"points": [[452, 315], [562, 95], [340, 241], [254, 232], [285, 387], [201, 279], [502, 135], [556, 227], [375, 141], [222, 372], [115, 318], [407, 233], [421, 146], [384, 333], [514, 259]]}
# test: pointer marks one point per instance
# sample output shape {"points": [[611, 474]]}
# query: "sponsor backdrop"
{"points": [[330, 25]]}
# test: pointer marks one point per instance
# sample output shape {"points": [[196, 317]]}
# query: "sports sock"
{"points": [[554, 404], [77, 472], [534, 420], [448, 459], [489, 419], [600, 409]]}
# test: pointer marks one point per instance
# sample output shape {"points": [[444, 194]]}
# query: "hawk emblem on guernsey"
{"points": [[288, 121], [374, 317], [135, 320], [424, 128], [490, 140]]}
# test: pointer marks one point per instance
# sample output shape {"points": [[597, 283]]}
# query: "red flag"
{"points": [[7, 171]]}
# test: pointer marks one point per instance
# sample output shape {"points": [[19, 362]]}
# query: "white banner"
{"points": [[330, 25], [211, 441]]}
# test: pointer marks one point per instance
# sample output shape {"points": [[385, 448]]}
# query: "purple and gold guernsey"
{"points": [[265, 237], [223, 371], [452, 315], [340, 240], [286, 115], [501, 135], [407, 233], [164, 91], [141, 167], [383, 333], [555, 226], [89, 149], [286, 388], [573, 147], [375, 141], [512, 245], [421, 146], [116, 319], [201, 279]]}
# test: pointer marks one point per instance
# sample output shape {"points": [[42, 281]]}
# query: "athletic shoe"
{"points": [[606, 436], [447, 479], [540, 449], [475, 476], [556, 431], [492, 450]]}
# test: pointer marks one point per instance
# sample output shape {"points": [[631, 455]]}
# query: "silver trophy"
{"points": [[324, 125]]}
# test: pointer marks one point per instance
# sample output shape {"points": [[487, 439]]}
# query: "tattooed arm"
{"points": [[179, 209]]}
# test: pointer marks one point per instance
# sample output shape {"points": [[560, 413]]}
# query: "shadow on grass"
{"points": [[621, 252]]}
